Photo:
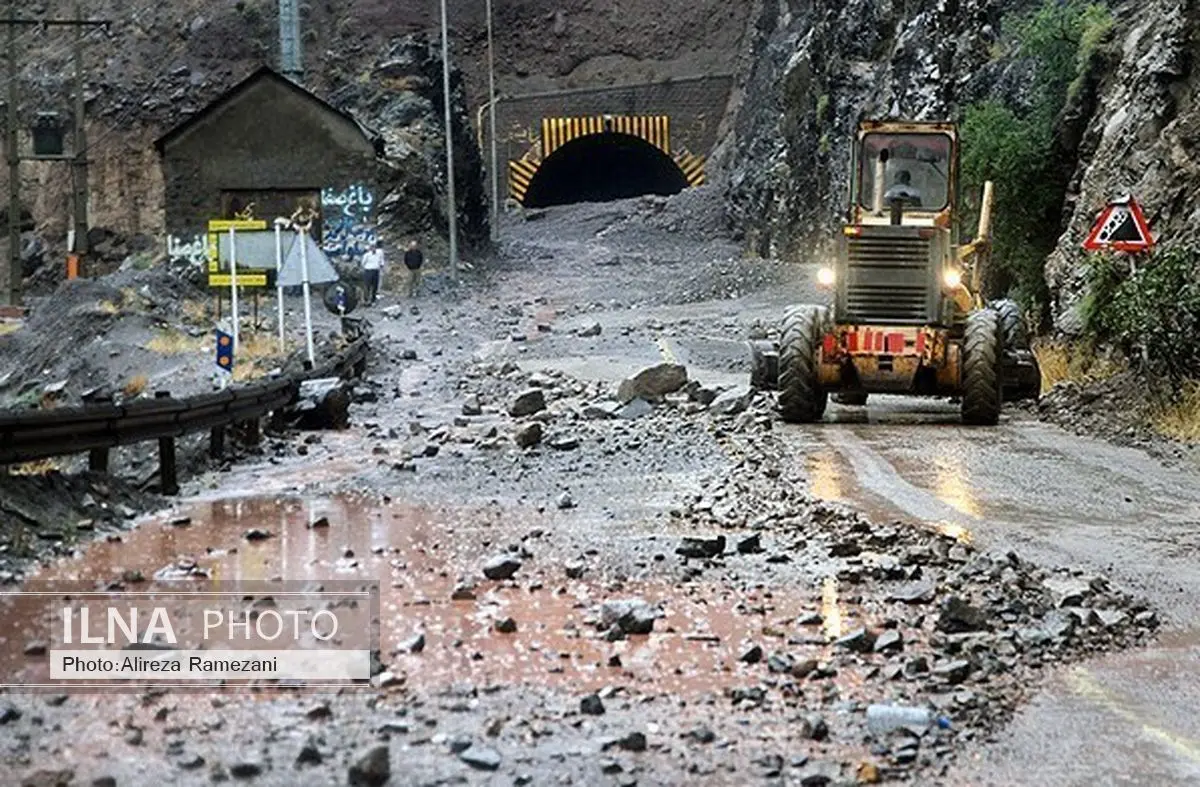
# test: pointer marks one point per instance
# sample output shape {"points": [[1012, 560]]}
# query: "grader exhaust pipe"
{"points": [[983, 237], [985, 212], [880, 185]]}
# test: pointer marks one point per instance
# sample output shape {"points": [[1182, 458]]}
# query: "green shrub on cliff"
{"points": [[1016, 148], [1149, 308]]}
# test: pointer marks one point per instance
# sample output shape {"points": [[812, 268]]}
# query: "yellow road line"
{"points": [[664, 348], [1087, 686]]}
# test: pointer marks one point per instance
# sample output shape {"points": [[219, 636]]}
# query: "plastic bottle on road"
{"points": [[882, 718]]}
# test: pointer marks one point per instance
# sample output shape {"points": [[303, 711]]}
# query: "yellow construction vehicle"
{"points": [[907, 315]]}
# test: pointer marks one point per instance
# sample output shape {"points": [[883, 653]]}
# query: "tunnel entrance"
{"points": [[603, 167]]}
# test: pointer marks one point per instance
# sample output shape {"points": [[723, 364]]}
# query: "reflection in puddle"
{"points": [[825, 472], [952, 490], [955, 531], [419, 555]]}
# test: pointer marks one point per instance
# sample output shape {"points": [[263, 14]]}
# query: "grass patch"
{"points": [[129, 298], [199, 312], [1179, 418], [40, 467], [135, 385], [172, 342], [257, 354], [1078, 363]]}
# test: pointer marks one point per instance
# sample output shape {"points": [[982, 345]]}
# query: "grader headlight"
{"points": [[952, 278], [826, 277]]}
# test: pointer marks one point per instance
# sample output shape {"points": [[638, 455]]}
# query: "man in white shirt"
{"points": [[372, 269]]}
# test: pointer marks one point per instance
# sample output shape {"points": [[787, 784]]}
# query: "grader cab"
{"points": [[907, 315]]}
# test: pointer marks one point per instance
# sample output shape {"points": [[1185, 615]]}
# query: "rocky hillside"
{"points": [[1128, 125], [160, 62]]}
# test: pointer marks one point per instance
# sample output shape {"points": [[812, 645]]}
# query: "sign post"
{"points": [[279, 225], [308, 330], [233, 292], [305, 265]]}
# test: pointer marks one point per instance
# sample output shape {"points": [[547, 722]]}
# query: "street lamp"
{"points": [[492, 127], [452, 205]]}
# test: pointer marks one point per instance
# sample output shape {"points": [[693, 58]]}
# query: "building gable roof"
{"points": [[230, 95]]}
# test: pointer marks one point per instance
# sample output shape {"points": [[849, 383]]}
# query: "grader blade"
{"points": [[764, 365], [1022, 378]]}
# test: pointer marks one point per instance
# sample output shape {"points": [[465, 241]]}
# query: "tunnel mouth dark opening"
{"points": [[601, 168]]}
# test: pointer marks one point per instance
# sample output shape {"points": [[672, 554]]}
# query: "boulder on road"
{"points": [[731, 402], [501, 567], [527, 403], [631, 616], [601, 410], [635, 409], [323, 404], [371, 769], [654, 383], [529, 435], [701, 547]]}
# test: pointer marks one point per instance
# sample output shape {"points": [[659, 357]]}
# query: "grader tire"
{"points": [[1012, 324], [982, 377], [801, 399]]}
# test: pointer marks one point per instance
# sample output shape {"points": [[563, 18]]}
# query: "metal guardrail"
{"points": [[42, 434]]}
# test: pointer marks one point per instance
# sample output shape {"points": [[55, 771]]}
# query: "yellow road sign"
{"points": [[243, 280], [225, 225]]}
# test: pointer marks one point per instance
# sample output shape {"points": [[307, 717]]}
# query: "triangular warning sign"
{"points": [[320, 269], [1121, 227]]}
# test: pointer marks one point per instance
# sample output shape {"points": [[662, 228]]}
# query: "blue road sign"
{"points": [[224, 350]]}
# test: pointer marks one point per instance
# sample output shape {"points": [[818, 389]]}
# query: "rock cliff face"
{"points": [[815, 69], [1142, 138]]}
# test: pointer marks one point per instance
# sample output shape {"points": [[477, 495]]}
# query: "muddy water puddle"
{"points": [[420, 555]]}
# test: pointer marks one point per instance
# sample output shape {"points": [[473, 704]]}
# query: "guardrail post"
{"points": [[251, 431], [216, 442], [166, 458], [98, 460]]}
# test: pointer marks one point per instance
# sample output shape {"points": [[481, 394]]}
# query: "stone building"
{"points": [[267, 145]]}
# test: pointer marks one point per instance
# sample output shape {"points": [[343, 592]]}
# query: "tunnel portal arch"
{"points": [[605, 166], [599, 158]]}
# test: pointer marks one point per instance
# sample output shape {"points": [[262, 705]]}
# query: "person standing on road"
{"points": [[413, 259], [372, 269]]}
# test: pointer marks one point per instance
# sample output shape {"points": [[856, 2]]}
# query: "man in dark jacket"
{"points": [[413, 259]]}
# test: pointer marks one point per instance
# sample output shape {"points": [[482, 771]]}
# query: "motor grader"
{"points": [[907, 314]]}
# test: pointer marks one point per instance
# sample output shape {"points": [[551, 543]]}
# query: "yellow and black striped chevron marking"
{"points": [[692, 167], [520, 175], [655, 129]]}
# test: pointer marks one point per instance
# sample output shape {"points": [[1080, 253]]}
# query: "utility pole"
{"points": [[492, 126], [452, 204], [289, 41], [10, 280], [80, 165], [10, 273]]}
